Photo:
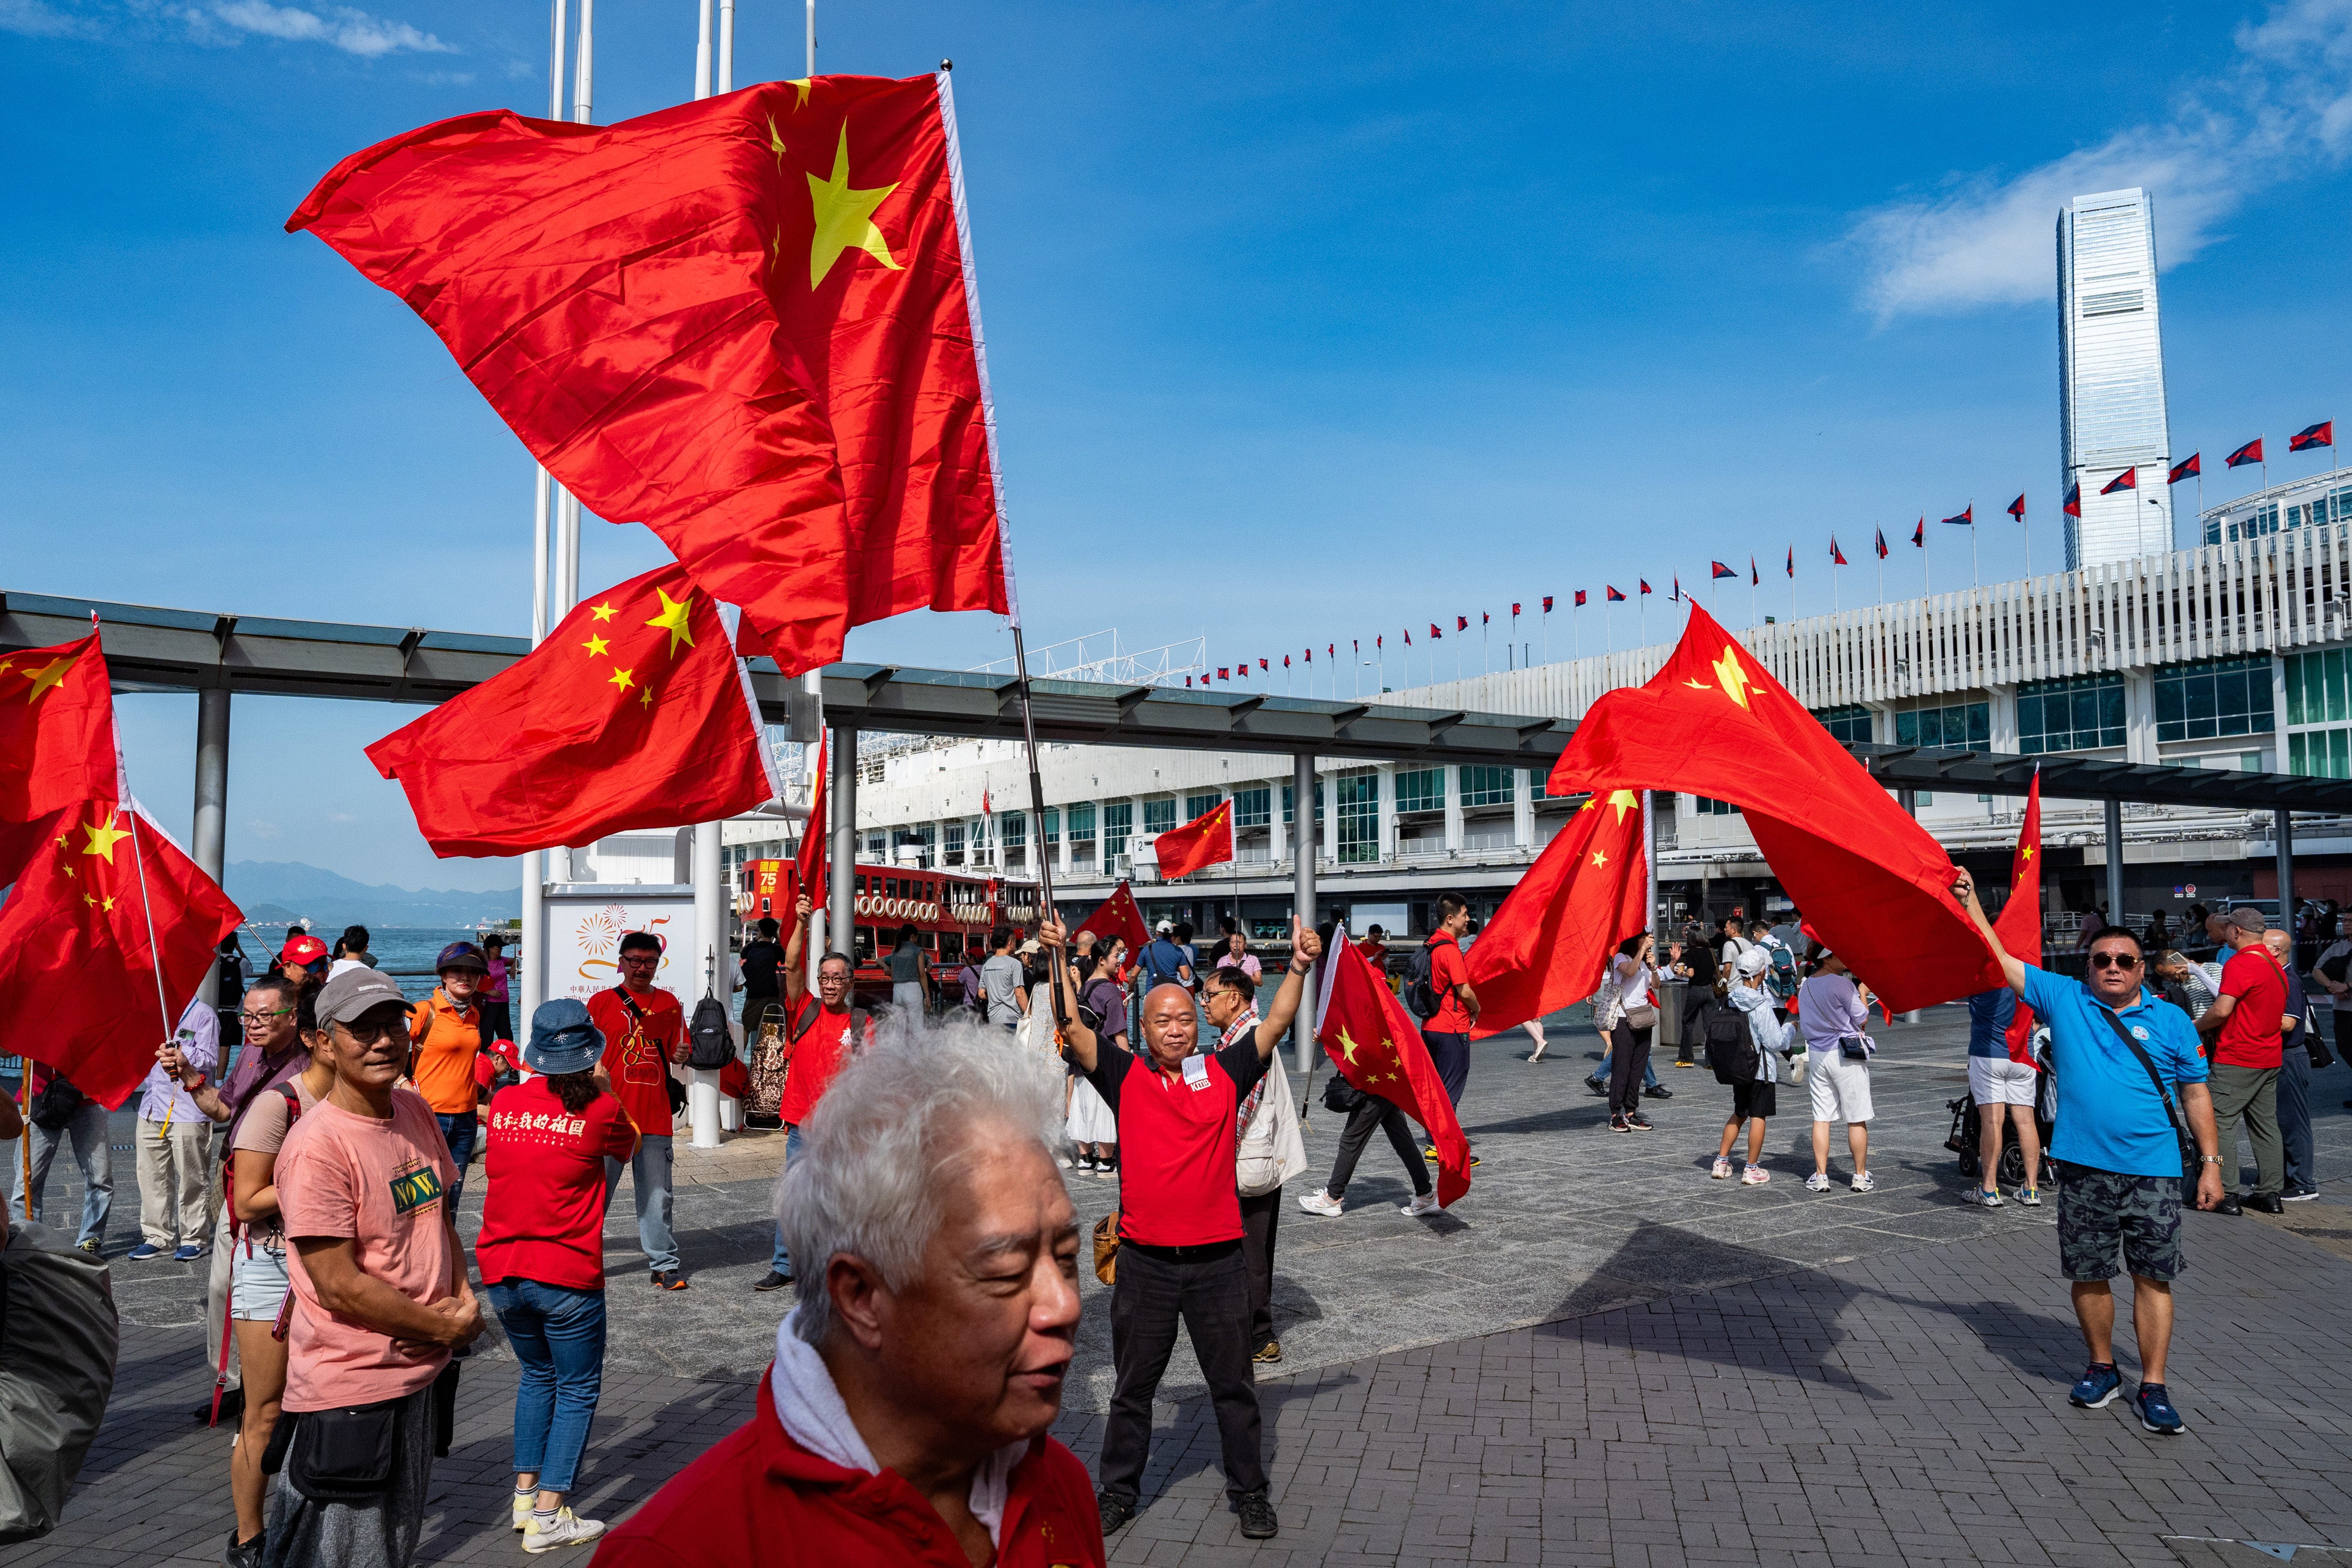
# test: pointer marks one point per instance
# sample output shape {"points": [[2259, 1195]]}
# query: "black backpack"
{"points": [[1421, 999], [1730, 1049], [710, 1045], [57, 1105]]}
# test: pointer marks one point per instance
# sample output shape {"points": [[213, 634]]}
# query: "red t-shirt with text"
{"points": [[636, 1056], [543, 1218]]}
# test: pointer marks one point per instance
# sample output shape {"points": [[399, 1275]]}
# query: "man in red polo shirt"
{"points": [[645, 1031], [817, 1041], [1180, 1224], [2245, 1025]]}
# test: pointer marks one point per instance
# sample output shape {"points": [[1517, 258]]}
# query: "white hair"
{"points": [[891, 1135]]}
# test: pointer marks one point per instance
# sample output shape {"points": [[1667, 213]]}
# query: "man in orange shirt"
{"points": [[645, 1032], [445, 1033]]}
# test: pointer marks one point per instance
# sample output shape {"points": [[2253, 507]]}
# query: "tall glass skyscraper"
{"points": [[2111, 414]]}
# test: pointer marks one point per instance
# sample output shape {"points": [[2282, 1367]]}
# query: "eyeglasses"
{"points": [[369, 1033], [261, 1020], [640, 960], [2115, 960]]}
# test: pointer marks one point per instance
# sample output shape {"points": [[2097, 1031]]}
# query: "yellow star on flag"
{"points": [[1346, 1045], [601, 611], [646, 697], [107, 903], [596, 644], [621, 679], [845, 217], [801, 86], [1624, 801], [1598, 858], [45, 678], [2026, 853], [673, 619], [1733, 678], [85, 898], [103, 838]]}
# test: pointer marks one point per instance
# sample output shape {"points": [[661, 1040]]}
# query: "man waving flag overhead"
{"points": [[1545, 947], [747, 322], [1873, 884]]}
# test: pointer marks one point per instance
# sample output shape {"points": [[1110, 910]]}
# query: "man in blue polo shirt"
{"points": [[2115, 1138]]}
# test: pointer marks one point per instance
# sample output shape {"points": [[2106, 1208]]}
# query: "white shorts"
{"points": [[261, 1283], [1998, 1080], [1840, 1088]]}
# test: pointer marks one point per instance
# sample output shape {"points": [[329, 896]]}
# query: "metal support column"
{"points": [[211, 802], [2286, 821], [841, 820], [711, 905], [1303, 901], [2114, 808]]}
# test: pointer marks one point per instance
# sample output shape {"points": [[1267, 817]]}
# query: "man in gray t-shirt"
{"points": [[1000, 978]]}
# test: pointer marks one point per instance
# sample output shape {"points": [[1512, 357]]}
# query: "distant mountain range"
{"points": [[278, 893]]}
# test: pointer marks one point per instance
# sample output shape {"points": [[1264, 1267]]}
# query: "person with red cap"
{"points": [[304, 959]]}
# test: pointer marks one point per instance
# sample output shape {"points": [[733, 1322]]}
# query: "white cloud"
{"points": [[353, 32], [261, 829], [40, 19], [1985, 239]]}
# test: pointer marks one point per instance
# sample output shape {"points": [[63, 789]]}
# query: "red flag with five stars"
{"points": [[75, 952], [1546, 947], [2020, 925], [1117, 916], [56, 742], [635, 713], [1873, 885], [1376, 1046], [1207, 841], [747, 322]]}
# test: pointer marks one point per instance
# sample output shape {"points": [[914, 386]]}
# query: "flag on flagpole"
{"points": [[2126, 480], [1753, 576], [2017, 508], [1677, 593], [2019, 926], [2252, 452], [2189, 467], [1547, 609], [1968, 516], [1793, 562], [1882, 544], [1118, 918], [1614, 596], [1919, 533], [1435, 634], [1722, 570], [1462, 623], [2073, 504], [1578, 605], [2311, 435], [1837, 556], [1645, 585], [1207, 841]]}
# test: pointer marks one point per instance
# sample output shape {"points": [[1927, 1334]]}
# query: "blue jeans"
{"points": [[782, 1260], [87, 1130], [1649, 1067], [459, 1131], [558, 1337], [649, 1172], [2295, 1113]]}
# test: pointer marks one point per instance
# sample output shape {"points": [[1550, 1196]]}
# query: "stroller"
{"points": [[1968, 1127]]}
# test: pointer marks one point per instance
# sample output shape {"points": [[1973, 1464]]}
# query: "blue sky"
{"points": [[1306, 321]]}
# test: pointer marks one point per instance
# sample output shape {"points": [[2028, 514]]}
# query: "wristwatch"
{"points": [[2212, 1159]]}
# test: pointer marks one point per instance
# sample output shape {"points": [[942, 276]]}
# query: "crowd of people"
{"points": [[930, 1336]]}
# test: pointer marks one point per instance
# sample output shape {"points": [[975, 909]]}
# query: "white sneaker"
{"points": [[567, 1530], [1982, 1197], [522, 1502], [1721, 1169], [1423, 1203], [1818, 1182], [1755, 1175], [1865, 1182], [1321, 1203]]}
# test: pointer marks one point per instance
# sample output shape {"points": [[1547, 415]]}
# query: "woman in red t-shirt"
{"points": [[541, 1254]]}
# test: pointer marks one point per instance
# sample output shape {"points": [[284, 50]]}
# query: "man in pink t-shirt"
{"points": [[380, 1289]]}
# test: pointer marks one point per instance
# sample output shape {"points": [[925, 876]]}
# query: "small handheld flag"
{"points": [[2189, 468], [2252, 452], [2126, 480], [2311, 435]]}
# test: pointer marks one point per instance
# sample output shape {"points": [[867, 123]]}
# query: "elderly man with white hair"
{"points": [[904, 1419], [1179, 1226]]}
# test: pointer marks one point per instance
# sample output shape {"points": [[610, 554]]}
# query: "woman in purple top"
{"points": [[1833, 1015]]}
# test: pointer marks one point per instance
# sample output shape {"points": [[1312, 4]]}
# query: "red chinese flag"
{"points": [[1376, 1046], [2019, 926], [811, 866], [633, 714], [1872, 882], [56, 742], [746, 322], [1207, 840], [75, 958], [1545, 948], [1118, 917]]}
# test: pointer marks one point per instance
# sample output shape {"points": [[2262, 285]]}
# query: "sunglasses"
{"points": [[2115, 961]]}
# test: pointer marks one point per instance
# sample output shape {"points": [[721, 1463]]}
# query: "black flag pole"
{"points": [[1036, 835]]}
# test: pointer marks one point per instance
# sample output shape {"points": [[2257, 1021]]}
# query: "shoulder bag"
{"points": [[2191, 1156]]}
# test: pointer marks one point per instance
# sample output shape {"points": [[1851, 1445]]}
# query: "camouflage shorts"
{"points": [[2102, 1213]]}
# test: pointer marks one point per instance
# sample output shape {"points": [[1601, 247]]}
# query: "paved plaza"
{"points": [[1599, 1357]]}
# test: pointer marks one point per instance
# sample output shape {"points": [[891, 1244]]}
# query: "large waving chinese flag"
{"points": [[1376, 1046], [747, 322], [1207, 841], [1870, 882], [811, 866], [2019, 926], [635, 713], [75, 954], [1118, 917], [56, 742], [1546, 947]]}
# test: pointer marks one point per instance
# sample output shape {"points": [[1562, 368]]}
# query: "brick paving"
{"points": [[1602, 1358]]}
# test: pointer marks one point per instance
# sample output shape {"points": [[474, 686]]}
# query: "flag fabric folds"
{"points": [[747, 322], [2126, 480], [1837, 556], [1546, 947], [1882, 544], [2252, 452], [2019, 926], [1614, 596], [1722, 570], [1792, 560], [811, 862], [1874, 885], [635, 713], [1919, 533], [56, 742], [2074, 508], [2188, 468], [1207, 841], [1547, 609], [1462, 623], [1118, 917], [1376, 1046], [1968, 516], [2017, 508], [2311, 435], [75, 953], [1645, 585], [1754, 578]]}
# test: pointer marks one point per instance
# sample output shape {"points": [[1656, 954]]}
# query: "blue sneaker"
{"points": [[2098, 1388], [145, 1251], [2156, 1411], [188, 1253]]}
